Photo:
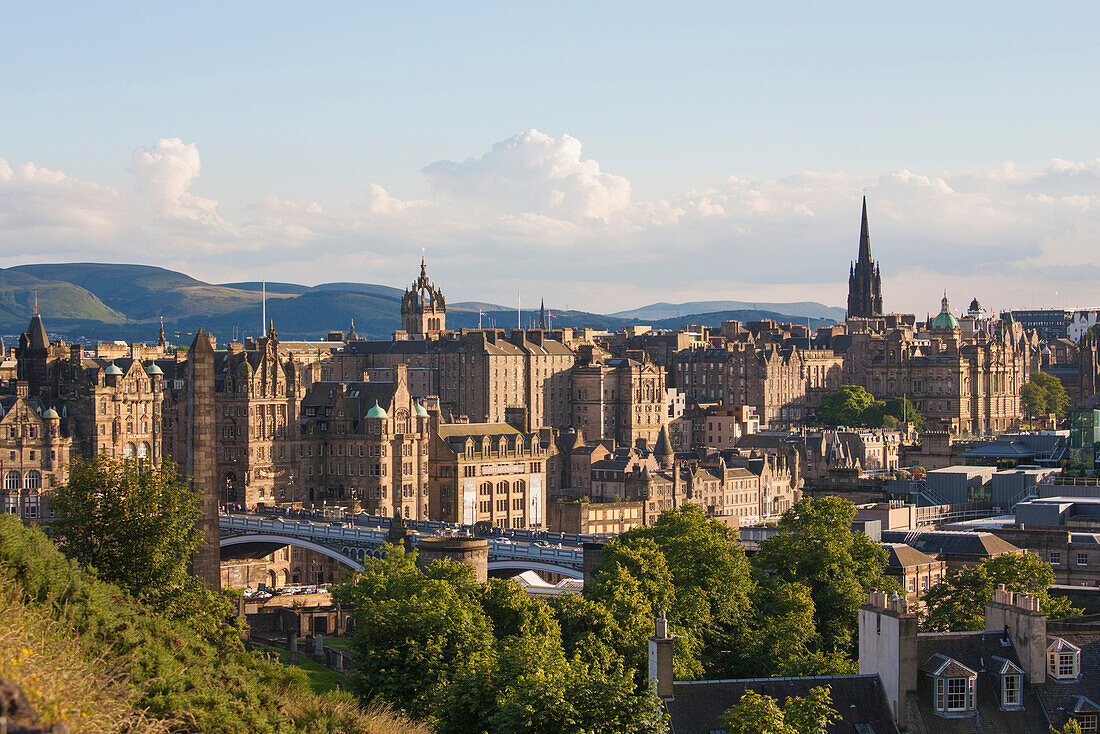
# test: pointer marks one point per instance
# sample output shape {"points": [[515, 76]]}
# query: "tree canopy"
{"points": [[957, 603], [135, 524], [759, 714], [817, 549], [852, 406], [1043, 394]]}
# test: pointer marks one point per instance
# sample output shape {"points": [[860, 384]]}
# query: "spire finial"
{"points": [[36, 300], [423, 265]]}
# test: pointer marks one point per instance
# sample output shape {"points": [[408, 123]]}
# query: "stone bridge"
{"points": [[351, 545]]}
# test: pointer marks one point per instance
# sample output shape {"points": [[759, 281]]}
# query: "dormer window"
{"points": [[1063, 660], [1010, 691], [955, 695]]}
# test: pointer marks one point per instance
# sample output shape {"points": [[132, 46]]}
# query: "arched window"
{"points": [[486, 489], [128, 451], [502, 488], [519, 486], [143, 450], [12, 480], [33, 480]]}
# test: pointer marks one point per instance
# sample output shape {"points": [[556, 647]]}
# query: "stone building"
{"points": [[488, 472], [618, 398], [963, 384], [109, 406], [782, 384], [34, 455], [364, 444]]}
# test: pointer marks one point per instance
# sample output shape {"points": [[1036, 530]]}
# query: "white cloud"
{"points": [[533, 173], [533, 212]]}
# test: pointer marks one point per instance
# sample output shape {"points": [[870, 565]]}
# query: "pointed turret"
{"points": [[663, 450], [162, 341], [542, 314]]}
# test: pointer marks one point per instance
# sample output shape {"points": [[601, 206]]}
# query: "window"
{"points": [[956, 694], [1082, 559], [1066, 666], [1088, 723], [1055, 558], [33, 480], [12, 480], [1010, 690]]}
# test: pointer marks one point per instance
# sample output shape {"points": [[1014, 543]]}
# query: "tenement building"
{"points": [[618, 398], [365, 443], [34, 454], [490, 473]]}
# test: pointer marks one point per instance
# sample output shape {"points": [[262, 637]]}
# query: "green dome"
{"points": [[154, 370], [377, 411], [421, 410], [945, 320], [113, 369], [50, 415]]}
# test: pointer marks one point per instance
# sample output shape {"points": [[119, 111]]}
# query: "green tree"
{"points": [[1051, 396], [901, 409], [845, 407], [957, 603], [134, 523], [706, 594], [759, 714], [816, 547], [414, 635], [1071, 727], [1033, 399]]}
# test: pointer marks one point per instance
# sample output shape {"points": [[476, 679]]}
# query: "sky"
{"points": [[601, 155]]}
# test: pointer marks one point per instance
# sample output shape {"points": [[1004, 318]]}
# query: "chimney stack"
{"points": [[660, 658]]}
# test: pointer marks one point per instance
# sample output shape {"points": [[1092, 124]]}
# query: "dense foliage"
{"points": [[135, 524], [758, 714], [578, 663], [507, 668], [853, 407], [177, 677], [1043, 394], [957, 603]]}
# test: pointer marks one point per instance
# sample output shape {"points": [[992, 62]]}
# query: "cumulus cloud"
{"points": [[534, 212], [533, 173]]}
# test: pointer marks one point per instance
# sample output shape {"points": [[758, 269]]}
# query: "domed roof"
{"points": [[975, 306], [51, 415], [945, 320], [113, 369], [377, 411], [421, 410], [154, 370]]}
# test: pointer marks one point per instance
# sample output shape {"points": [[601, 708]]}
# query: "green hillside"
{"points": [[59, 299], [143, 292]]}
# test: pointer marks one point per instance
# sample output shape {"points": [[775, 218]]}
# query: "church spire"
{"points": [[864, 237], [542, 314]]}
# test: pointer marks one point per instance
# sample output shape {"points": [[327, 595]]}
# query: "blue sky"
{"points": [[313, 104]]}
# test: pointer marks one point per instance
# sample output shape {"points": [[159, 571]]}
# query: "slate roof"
{"points": [[901, 556], [859, 699], [953, 543], [982, 653], [1061, 697]]}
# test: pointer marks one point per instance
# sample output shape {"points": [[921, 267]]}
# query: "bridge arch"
{"points": [[297, 542], [523, 565]]}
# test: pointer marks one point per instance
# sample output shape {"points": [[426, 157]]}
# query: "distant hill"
{"points": [[792, 311], [144, 292], [98, 301], [288, 288]]}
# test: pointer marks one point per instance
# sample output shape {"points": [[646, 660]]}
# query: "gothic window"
{"points": [[143, 450], [33, 480], [128, 451], [12, 480]]}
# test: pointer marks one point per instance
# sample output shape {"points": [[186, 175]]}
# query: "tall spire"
{"points": [[423, 266], [36, 301], [864, 236], [542, 314]]}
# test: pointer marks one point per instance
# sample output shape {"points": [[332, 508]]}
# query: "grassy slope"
{"points": [[63, 300], [143, 292], [159, 673]]}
